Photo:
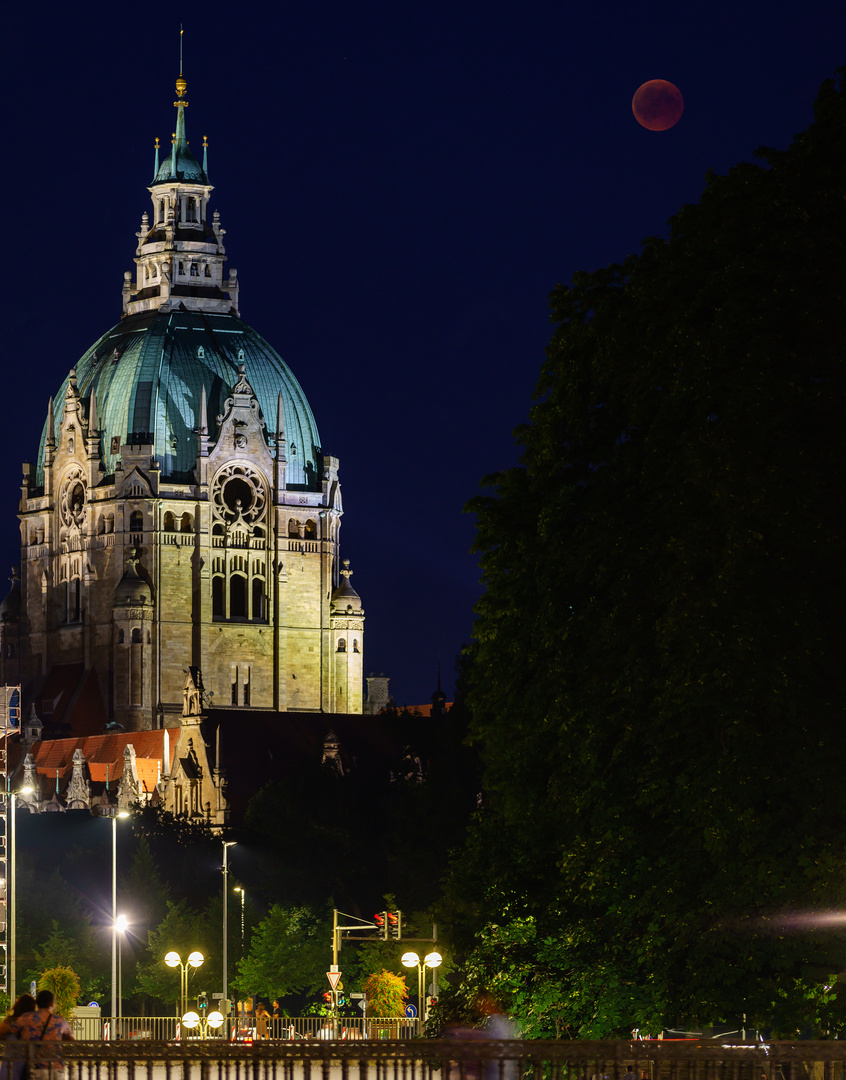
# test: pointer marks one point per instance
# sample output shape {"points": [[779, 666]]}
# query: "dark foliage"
{"points": [[657, 682]]}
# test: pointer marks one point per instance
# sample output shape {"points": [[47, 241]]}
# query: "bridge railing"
{"points": [[462, 1058], [237, 1029]]}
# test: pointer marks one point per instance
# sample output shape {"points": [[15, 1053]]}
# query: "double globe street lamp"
{"points": [[431, 960], [173, 959], [193, 1020]]}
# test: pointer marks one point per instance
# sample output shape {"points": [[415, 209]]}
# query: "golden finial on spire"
{"points": [[157, 142], [205, 142], [181, 86]]}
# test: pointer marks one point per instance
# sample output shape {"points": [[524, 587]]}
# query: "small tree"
{"points": [[386, 994], [64, 983]]}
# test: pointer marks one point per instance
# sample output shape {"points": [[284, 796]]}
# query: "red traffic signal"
{"points": [[394, 923], [381, 920]]}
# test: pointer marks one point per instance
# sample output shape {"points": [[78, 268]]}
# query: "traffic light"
{"points": [[394, 919], [381, 920], [202, 1000], [327, 995]]}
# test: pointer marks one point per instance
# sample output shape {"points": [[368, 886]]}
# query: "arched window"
{"points": [[311, 530], [101, 525], [293, 527], [136, 521], [136, 635], [73, 600], [237, 597], [187, 523], [258, 599], [342, 645], [195, 270], [161, 209], [169, 522], [190, 209], [217, 598], [182, 270], [208, 271], [355, 644]]}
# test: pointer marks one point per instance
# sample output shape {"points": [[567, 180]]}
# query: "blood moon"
{"points": [[657, 105]]}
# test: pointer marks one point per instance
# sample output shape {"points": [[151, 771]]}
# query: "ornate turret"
{"points": [[180, 256]]}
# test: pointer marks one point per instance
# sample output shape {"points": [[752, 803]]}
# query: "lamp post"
{"points": [[115, 816], [173, 959], [13, 972], [121, 926], [240, 889], [215, 1021], [431, 960], [227, 844]]}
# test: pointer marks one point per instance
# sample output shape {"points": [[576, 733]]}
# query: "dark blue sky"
{"points": [[402, 186]]}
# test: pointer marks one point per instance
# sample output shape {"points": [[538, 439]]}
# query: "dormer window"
{"points": [[181, 270], [195, 270], [190, 209]]}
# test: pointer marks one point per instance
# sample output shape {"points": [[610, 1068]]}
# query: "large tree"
{"points": [[657, 680]]}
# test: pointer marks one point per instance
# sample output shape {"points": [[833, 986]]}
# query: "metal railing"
{"points": [[238, 1029], [466, 1057]]}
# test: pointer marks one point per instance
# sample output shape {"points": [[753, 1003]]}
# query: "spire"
{"points": [[51, 427], [92, 413], [206, 155], [280, 428], [180, 164], [156, 160], [204, 418]]}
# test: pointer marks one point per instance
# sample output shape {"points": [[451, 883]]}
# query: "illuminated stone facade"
{"points": [[181, 512]]}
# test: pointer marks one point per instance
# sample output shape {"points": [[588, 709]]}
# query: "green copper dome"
{"points": [[149, 371], [188, 169]]}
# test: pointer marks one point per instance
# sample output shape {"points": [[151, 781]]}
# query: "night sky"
{"points": [[402, 185]]}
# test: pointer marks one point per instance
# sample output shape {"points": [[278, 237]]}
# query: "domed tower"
{"points": [[181, 494]]}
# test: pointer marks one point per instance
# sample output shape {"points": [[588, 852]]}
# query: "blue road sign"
{"points": [[411, 1011]]}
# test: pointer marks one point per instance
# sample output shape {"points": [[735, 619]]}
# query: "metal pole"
{"points": [[120, 978], [114, 920], [226, 845], [13, 979]]}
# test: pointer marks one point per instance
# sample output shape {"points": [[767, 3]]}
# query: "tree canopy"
{"points": [[657, 680]]}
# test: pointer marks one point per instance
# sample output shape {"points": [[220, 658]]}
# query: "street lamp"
{"points": [[122, 924], [227, 844], [27, 789], [240, 889], [115, 816], [432, 960], [214, 1021], [173, 959]]}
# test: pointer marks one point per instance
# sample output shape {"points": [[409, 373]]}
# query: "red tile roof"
{"points": [[105, 753]]}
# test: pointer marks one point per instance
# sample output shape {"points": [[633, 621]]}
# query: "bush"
{"points": [[64, 983]]}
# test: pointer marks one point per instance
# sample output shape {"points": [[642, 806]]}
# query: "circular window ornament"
{"points": [[238, 494], [72, 499]]}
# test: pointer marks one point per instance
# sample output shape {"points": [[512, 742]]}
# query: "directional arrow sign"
{"points": [[334, 978]]}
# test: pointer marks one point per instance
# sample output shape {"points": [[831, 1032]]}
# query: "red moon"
{"points": [[657, 105]]}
